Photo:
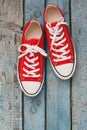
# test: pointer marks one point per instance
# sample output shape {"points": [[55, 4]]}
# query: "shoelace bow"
{"points": [[56, 36], [31, 49]]}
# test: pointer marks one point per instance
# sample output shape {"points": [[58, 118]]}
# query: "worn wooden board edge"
{"points": [[79, 81], [11, 22]]}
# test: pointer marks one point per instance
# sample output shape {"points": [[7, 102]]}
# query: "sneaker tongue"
{"points": [[33, 41], [59, 20], [54, 24]]}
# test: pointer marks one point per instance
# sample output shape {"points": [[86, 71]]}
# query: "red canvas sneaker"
{"points": [[31, 59], [61, 50]]}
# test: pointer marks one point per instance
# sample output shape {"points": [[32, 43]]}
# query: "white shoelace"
{"points": [[31, 49], [55, 37]]}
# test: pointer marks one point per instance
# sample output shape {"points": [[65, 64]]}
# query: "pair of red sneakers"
{"points": [[31, 58]]}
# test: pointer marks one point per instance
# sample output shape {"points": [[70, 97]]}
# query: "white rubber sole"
{"points": [[30, 95], [63, 77]]}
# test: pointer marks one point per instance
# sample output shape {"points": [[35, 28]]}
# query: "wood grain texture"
{"points": [[11, 17], [58, 91], [79, 82], [34, 108]]}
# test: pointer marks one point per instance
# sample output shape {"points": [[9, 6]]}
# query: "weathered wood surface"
{"points": [[50, 110], [34, 108], [79, 82], [11, 21], [58, 91]]}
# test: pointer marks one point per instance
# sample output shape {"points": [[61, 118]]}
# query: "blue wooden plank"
{"points": [[34, 108], [79, 82], [58, 91]]}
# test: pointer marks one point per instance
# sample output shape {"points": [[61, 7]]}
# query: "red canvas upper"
{"points": [[68, 41], [40, 43]]}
